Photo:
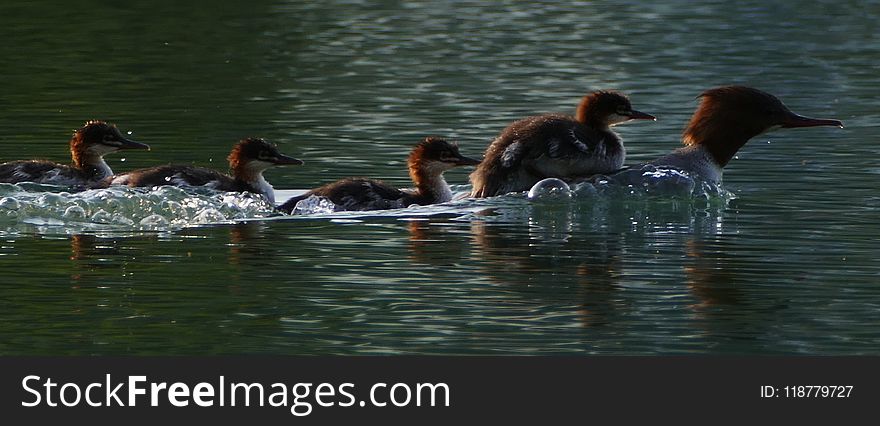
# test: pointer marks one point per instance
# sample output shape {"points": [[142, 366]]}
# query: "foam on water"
{"points": [[651, 181], [649, 198], [45, 210], [314, 205], [322, 208], [122, 208]]}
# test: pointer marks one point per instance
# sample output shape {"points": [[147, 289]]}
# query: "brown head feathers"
{"points": [[606, 108], [729, 116]]}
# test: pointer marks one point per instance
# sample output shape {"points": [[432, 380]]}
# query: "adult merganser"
{"points": [[556, 145], [725, 120], [248, 159], [88, 146], [427, 162]]}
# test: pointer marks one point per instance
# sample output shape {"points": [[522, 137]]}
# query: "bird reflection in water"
{"points": [[240, 237], [553, 266], [545, 263], [729, 308], [710, 278], [89, 253]]}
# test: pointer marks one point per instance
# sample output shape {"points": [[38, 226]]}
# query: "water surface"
{"points": [[788, 263]]}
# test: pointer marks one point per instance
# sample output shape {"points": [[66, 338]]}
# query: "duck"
{"points": [[556, 146], [725, 120], [426, 163], [88, 146], [248, 159]]}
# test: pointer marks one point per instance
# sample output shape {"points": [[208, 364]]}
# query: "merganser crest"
{"points": [[726, 119]]}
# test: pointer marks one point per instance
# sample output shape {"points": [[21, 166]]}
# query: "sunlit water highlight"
{"points": [[789, 265]]}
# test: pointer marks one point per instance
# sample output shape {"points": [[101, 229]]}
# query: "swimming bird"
{"points": [[725, 120], [248, 160], [88, 146], [427, 162], [556, 145]]}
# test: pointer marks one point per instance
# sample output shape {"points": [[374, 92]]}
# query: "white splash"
{"points": [[123, 208], [314, 205]]}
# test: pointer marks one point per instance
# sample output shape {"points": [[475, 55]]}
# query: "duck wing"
{"points": [[176, 175], [40, 171], [356, 194]]}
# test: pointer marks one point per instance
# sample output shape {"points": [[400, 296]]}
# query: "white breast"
{"points": [[263, 186]]}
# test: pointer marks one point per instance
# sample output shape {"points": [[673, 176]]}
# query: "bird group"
{"points": [[567, 147]]}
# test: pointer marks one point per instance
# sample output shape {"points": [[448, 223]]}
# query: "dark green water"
{"points": [[789, 266]]}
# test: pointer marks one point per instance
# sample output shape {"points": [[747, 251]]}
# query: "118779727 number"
{"points": [[807, 391]]}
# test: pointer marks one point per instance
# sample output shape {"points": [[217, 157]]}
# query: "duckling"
{"points": [[88, 146], [556, 145], [427, 162], [248, 160]]}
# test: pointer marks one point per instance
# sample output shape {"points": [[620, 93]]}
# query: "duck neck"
{"points": [[90, 163], [609, 137], [599, 125], [719, 136], [430, 183], [251, 175], [584, 116]]}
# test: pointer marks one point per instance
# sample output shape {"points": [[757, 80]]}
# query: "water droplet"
{"points": [[74, 213], [9, 203], [550, 188], [154, 221]]}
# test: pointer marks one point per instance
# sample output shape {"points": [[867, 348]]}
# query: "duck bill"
{"points": [[467, 161], [638, 115], [130, 144], [795, 120], [283, 160]]}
